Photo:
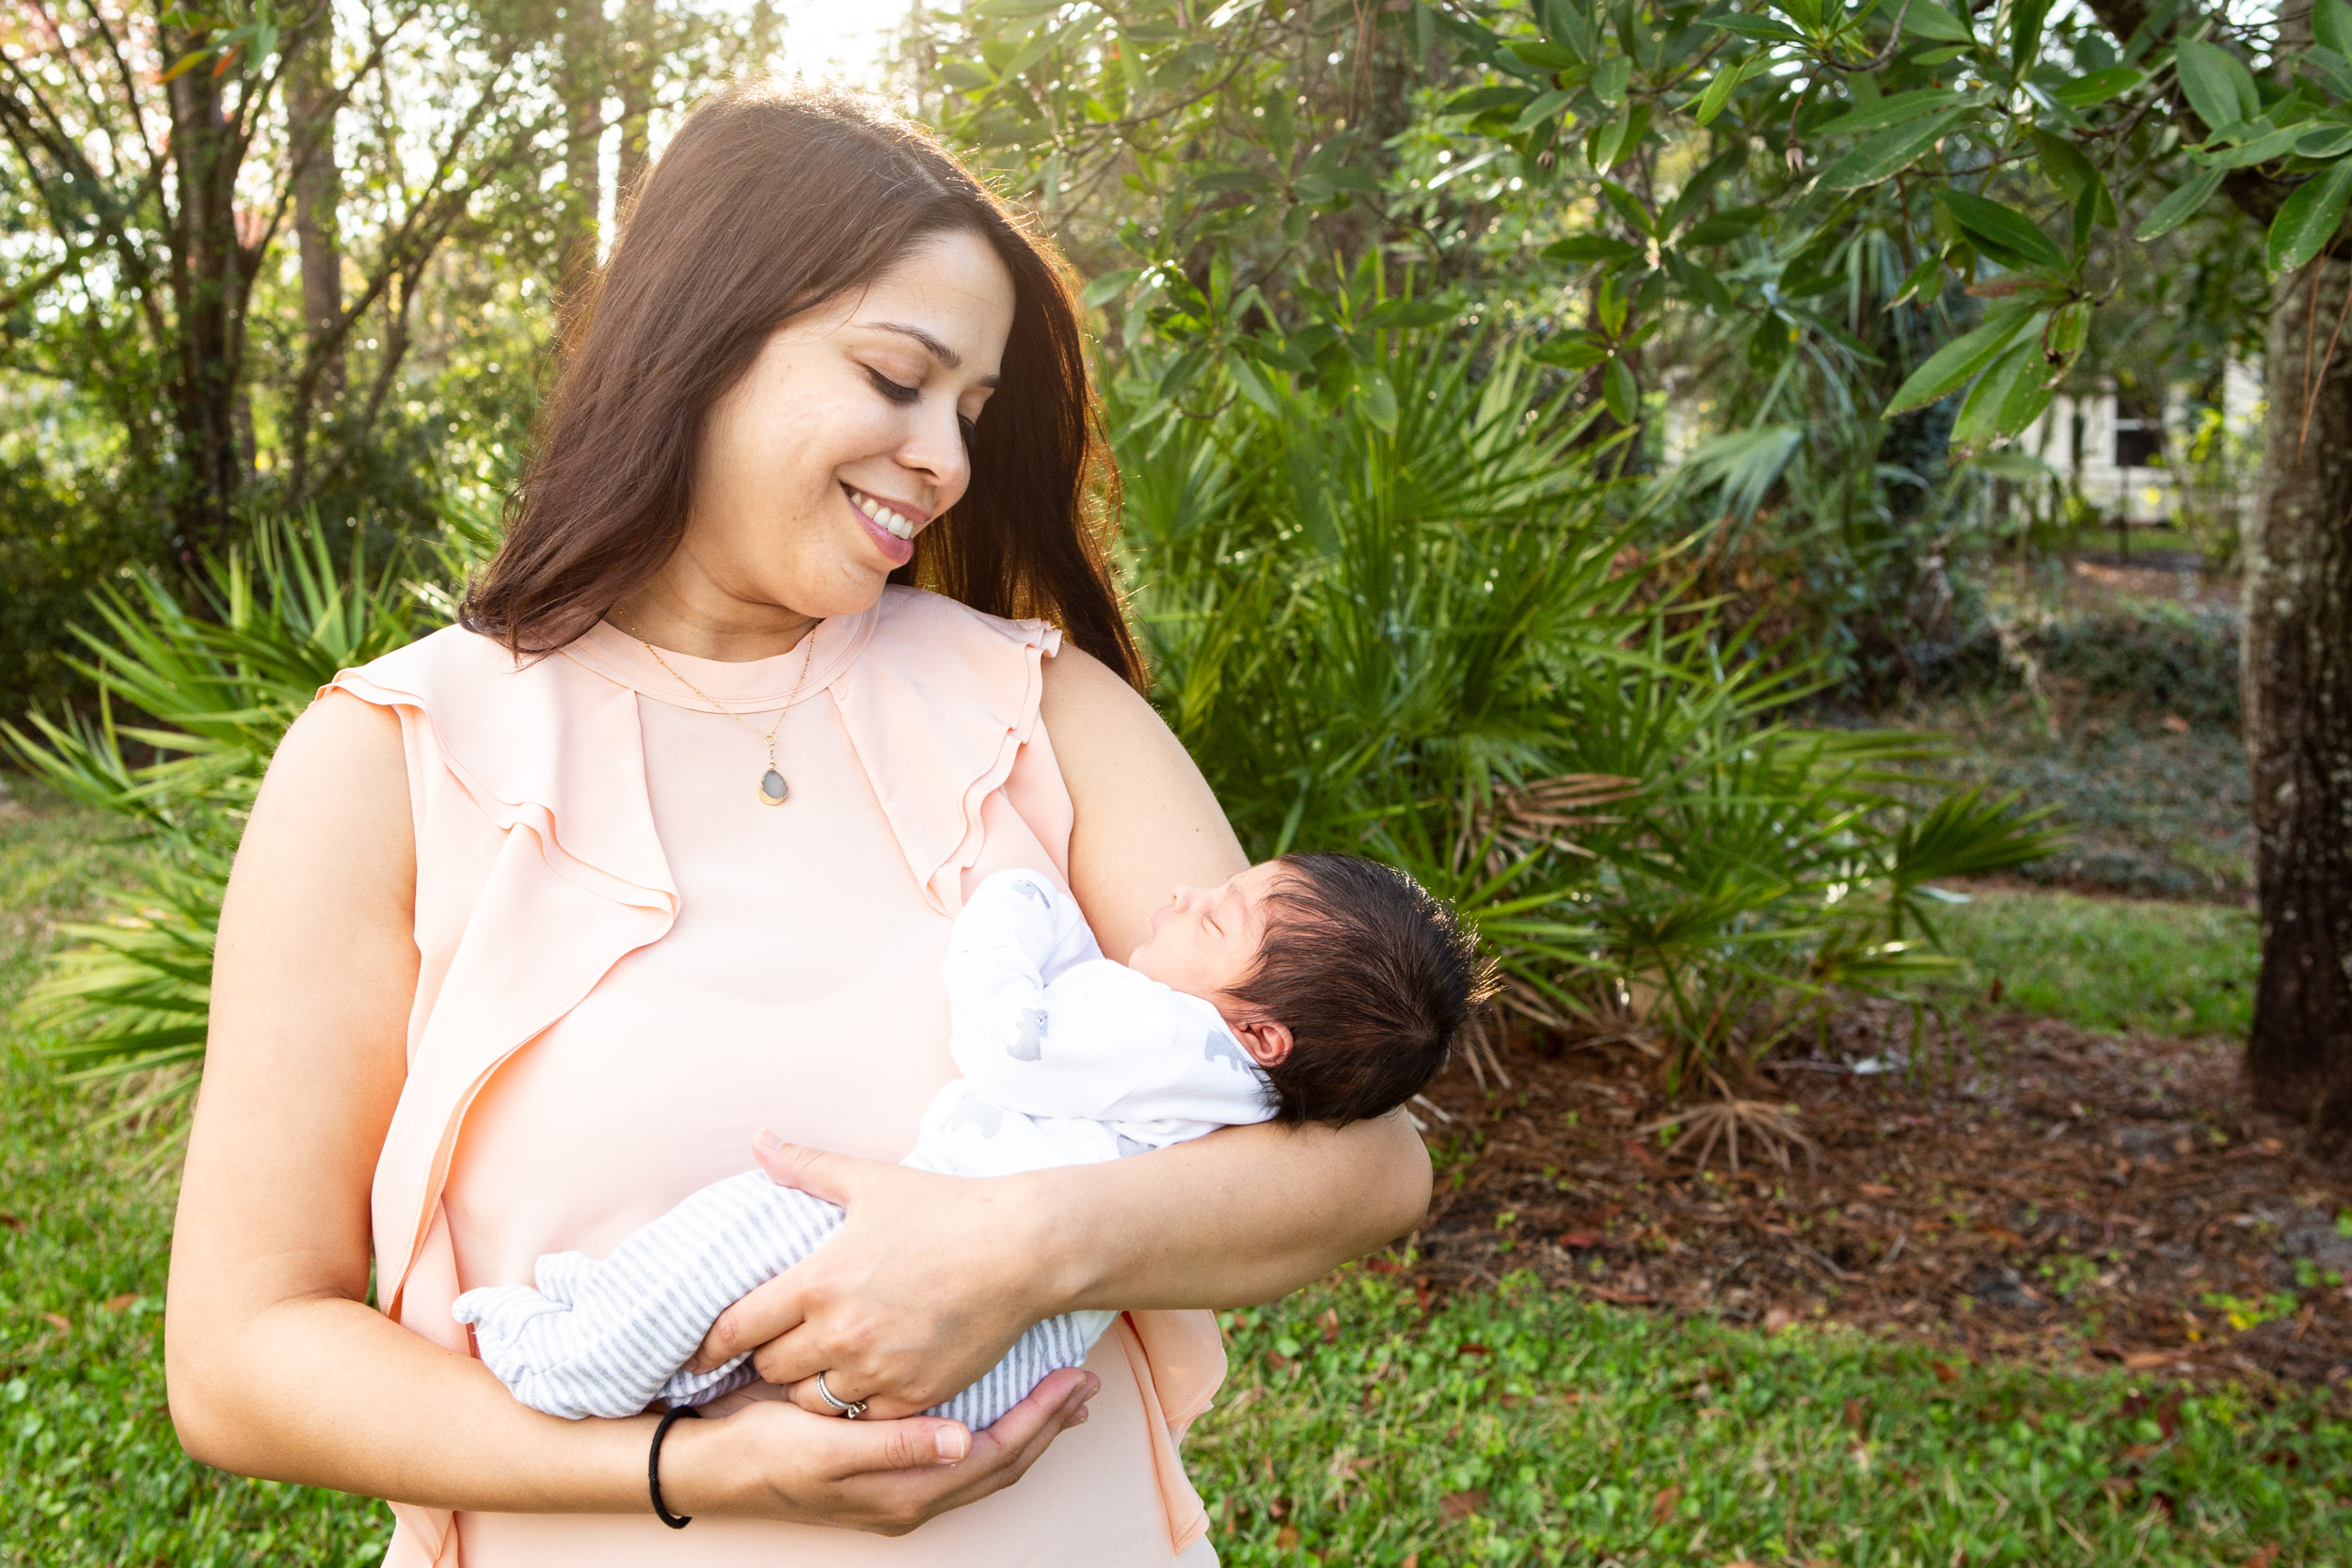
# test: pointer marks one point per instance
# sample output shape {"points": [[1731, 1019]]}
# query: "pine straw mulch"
{"points": [[2054, 1195]]}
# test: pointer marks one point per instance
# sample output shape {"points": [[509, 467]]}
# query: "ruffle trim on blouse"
{"points": [[938, 735]]}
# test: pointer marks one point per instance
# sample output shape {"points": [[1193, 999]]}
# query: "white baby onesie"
{"points": [[1068, 1059]]}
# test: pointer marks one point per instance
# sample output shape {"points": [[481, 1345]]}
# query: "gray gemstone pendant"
{"points": [[773, 791]]}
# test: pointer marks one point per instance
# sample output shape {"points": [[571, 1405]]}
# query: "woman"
{"points": [[538, 921]]}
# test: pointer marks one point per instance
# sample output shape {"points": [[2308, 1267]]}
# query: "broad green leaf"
{"points": [[1628, 207], [2182, 205], [1617, 389], [1763, 29], [2064, 163], [1579, 248], [1542, 109], [1894, 110], [2025, 36], [2309, 217], [2324, 141], [2008, 382], [1609, 80], [2002, 233], [1723, 227], [1547, 56], [1927, 20], [2331, 25], [2219, 85], [1885, 154], [1109, 286], [1951, 367], [2097, 86], [1570, 353], [1479, 99], [1925, 282], [2331, 67], [1719, 91], [1939, 56], [2268, 143], [1380, 400]]}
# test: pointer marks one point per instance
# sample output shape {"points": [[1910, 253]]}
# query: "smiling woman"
{"points": [[515, 957]]}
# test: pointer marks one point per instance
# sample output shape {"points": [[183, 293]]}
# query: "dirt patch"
{"points": [[2056, 1194]]}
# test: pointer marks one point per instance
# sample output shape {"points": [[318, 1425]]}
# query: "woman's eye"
{"points": [[892, 389]]}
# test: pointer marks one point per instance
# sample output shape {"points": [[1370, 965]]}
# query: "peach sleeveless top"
{"points": [[631, 965]]}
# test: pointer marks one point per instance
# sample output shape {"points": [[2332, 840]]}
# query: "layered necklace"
{"points": [[774, 790]]}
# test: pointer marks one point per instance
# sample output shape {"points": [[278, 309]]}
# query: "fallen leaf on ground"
{"points": [[12, 1222], [1944, 1371], [1582, 1240], [1461, 1505], [1286, 1537], [2264, 1558], [2140, 1361], [117, 1303], [1661, 1507], [2179, 725], [57, 1320], [1778, 1319]]}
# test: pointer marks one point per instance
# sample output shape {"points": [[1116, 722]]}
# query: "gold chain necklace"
{"points": [[773, 791]]}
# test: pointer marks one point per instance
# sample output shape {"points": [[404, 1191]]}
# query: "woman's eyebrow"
{"points": [[931, 345]]}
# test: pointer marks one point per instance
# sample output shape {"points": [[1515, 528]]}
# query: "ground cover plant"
{"points": [[1364, 1423]]}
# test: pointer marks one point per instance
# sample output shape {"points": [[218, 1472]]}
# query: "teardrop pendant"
{"points": [[773, 791]]}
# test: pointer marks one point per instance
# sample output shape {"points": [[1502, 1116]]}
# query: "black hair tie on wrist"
{"points": [[653, 1466]]}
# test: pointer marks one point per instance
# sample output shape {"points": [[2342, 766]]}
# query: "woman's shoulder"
{"points": [[912, 619]]}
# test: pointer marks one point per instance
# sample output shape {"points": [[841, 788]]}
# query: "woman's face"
{"points": [[847, 438]]}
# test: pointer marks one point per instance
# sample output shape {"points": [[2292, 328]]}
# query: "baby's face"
{"points": [[1205, 940]]}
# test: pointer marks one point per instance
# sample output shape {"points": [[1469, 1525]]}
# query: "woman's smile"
{"points": [[891, 524]]}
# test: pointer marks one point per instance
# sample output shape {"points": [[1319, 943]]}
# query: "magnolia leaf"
{"points": [[1479, 99], [2331, 67], [1719, 91], [1547, 56], [2324, 141], [2331, 25], [1723, 227], [1109, 286], [1617, 389], [1579, 248], [2001, 232], [1762, 28], [1608, 82], [1951, 367], [2097, 86], [1893, 110], [2219, 85], [2008, 382], [1927, 20], [1542, 109], [2025, 32], [2273, 142], [2182, 205], [1887, 154], [2309, 217]]}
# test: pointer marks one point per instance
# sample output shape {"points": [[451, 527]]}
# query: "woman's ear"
{"points": [[1267, 1042]]}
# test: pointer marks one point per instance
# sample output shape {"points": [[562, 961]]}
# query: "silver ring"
{"points": [[851, 1409]]}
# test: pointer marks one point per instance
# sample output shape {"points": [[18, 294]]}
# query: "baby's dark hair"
{"points": [[1375, 979]]}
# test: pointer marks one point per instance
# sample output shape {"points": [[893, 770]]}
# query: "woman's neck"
{"points": [[702, 621]]}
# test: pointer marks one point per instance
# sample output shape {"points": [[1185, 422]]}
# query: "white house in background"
{"points": [[2113, 450]]}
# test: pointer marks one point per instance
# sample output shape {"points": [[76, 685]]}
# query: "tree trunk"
{"points": [[582, 84], [318, 189], [636, 92], [2298, 712], [209, 288]]}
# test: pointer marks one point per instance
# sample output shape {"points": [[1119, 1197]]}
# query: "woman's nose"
{"points": [[935, 449]]}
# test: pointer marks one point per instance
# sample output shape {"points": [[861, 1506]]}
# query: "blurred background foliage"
{"points": [[1549, 430]]}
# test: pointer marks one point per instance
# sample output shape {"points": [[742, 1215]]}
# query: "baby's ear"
{"points": [[1267, 1042]]}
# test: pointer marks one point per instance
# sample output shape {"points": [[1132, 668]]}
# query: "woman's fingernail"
{"points": [[1080, 1419], [953, 1444], [766, 1139]]}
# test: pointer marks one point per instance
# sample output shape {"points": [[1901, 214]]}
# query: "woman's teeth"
{"points": [[900, 527]]}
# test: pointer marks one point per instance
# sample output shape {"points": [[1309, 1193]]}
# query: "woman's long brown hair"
{"points": [[768, 202]]}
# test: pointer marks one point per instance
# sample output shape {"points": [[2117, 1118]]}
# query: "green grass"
{"points": [[1514, 1426], [1506, 1426], [2112, 963], [89, 1470]]}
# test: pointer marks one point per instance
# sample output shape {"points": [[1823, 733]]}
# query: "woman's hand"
{"points": [[771, 1460], [926, 1284]]}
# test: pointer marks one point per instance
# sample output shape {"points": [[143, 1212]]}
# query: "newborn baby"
{"points": [[1311, 988]]}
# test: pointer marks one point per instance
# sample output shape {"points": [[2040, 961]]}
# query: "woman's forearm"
{"points": [[327, 1392], [1240, 1216]]}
